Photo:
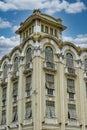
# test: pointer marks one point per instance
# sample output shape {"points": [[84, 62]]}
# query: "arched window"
{"points": [[5, 68], [49, 57], [69, 60], [16, 64], [28, 55], [85, 64]]}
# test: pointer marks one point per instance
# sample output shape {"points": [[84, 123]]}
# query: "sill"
{"points": [[3, 126], [28, 121], [14, 124], [73, 122], [48, 95], [50, 120]]}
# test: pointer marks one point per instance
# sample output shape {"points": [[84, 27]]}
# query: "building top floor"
{"points": [[38, 42], [42, 23]]}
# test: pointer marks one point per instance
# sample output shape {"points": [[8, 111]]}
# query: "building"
{"points": [[43, 81]]}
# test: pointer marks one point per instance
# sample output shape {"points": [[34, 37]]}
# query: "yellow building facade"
{"points": [[43, 81]]}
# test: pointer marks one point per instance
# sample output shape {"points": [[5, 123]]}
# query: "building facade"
{"points": [[43, 81]]}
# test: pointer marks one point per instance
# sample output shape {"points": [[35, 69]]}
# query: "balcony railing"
{"points": [[49, 66], [15, 75], [28, 67], [70, 71]]}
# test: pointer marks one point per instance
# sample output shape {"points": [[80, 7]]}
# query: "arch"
{"points": [[70, 49], [48, 41], [30, 43]]}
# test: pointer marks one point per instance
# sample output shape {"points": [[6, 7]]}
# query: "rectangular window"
{"points": [[29, 31], [28, 113], [86, 90], [4, 95], [50, 84], [71, 88], [42, 28], [27, 34], [24, 36], [55, 33], [72, 111], [3, 120], [15, 114], [46, 29], [28, 85], [15, 90], [70, 85], [51, 31], [32, 29], [50, 109]]}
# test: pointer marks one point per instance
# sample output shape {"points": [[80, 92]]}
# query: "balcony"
{"points": [[14, 75], [28, 68], [49, 66], [70, 71], [28, 121], [3, 81], [73, 122]]}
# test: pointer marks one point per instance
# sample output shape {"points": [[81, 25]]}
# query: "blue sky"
{"points": [[72, 12]]}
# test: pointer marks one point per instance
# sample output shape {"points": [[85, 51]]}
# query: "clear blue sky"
{"points": [[72, 12]]}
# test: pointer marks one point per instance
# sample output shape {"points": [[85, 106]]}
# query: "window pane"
{"points": [[85, 64], [50, 109], [72, 111], [15, 114], [70, 86], [3, 120], [16, 64], [5, 71], [46, 29], [28, 113], [28, 85], [49, 57], [69, 60], [86, 90], [28, 56], [4, 93]]}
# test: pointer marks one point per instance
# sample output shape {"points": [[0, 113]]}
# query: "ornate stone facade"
{"points": [[43, 81]]}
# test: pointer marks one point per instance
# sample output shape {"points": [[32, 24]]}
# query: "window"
{"points": [[28, 57], [69, 60], [50, 84], [50, 109], [85, 64], [49, 57], [28, 85], [32, 29], [15, 114], [5, 70], [28, 113], [15, 91], [51, 31], [3, 120], [46, 29], [71, 88], [72, 111], [55, 33], [16, 64], [42, 28], [27, 34], [4, 95], [29, 31], [86, 90]]}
